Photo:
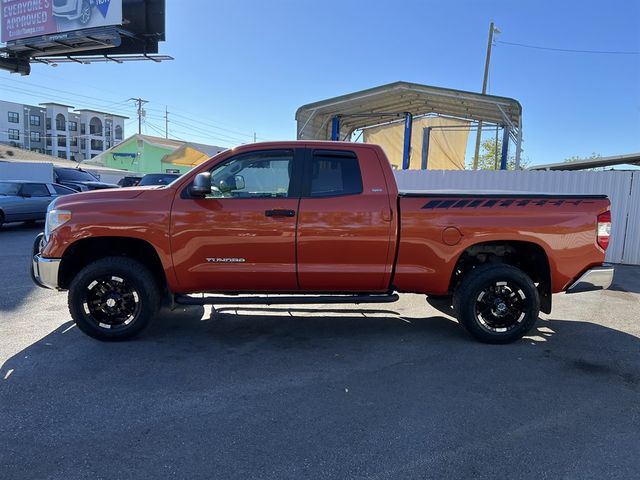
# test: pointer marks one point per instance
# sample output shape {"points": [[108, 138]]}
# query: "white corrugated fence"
{"points": [[622, 188]]}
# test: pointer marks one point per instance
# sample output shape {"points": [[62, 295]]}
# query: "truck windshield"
{"points": [[7, 188], [75, 175]]}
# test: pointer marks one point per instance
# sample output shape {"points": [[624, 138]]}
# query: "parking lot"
{"points": [[391, 391]]}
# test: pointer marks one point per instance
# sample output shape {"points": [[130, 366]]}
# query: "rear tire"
{"points": [[497, 303], [114, 298]]}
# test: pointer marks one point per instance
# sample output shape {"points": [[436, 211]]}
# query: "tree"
{"points": [[487, 157], [576, 158]]}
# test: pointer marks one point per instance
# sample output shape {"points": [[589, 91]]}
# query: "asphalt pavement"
{"points": [[394, 391]]}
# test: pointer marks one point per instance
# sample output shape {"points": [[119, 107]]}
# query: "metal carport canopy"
{"points": [[359, 109]]}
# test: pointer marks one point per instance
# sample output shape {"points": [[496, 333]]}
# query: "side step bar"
{"points": [[284, 300]]}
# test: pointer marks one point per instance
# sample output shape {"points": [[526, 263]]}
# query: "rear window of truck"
{"points": [[335, 173]]}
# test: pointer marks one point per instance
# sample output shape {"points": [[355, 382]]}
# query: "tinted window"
{"points": [[74, 175], [335, 175], [60, 190], [35, 190], [158, 179], [254, 175], [7, 188]]}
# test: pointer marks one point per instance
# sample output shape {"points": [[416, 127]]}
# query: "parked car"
{"points": [[78, 179], [158, 179], [320, 223], [74, 10], [27, 201], [129, 181]]}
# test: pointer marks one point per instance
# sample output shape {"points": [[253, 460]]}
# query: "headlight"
{"points": [[55, 219]]}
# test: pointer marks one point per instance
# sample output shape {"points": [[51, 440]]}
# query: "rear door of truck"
{"points": [[346, 233]]}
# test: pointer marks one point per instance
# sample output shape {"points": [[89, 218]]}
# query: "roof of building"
{"points": [[378, 105], [13, 154], [79, 110], [57, 104], [583, 164], [191, 154]]}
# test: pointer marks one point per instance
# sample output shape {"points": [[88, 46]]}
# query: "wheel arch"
{"points": [[530, 257], [88, 250]]}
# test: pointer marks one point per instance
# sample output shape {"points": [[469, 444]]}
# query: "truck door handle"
{"points": [[280, 213]]}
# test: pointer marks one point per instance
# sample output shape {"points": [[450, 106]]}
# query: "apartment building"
{"points": [[60, 130]]}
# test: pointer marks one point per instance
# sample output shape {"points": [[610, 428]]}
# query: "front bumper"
{"points": [[44, 271], [597, 278]]}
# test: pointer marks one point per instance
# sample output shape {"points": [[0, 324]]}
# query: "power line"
{"points": [[569, 50]]}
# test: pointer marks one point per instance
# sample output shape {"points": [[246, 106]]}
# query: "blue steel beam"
{"points": [[406, 154], [505, 147], [335, 128], [426, 134]]}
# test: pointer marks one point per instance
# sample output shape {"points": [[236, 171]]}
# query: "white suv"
{"points": [[73, 10]]}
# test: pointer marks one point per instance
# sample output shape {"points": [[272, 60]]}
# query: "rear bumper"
{"points": [[44, 271], [597, 278]]}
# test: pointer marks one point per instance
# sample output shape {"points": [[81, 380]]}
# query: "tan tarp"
{"points": [[447, 147]]}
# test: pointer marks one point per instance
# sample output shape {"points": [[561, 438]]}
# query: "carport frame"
{"points": [[338, 117]]}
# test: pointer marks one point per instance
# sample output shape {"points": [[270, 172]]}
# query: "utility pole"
{"points": [[254, 137], [487, 61], [166, 122], [139, 102]]}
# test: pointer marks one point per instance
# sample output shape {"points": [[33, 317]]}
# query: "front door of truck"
{"points": [[345, 226], [241, 238]]}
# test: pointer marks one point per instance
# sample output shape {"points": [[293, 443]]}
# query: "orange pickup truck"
{"points": [[319, 223]]}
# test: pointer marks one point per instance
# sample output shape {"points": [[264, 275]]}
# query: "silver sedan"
{"points": [[27, 201]]}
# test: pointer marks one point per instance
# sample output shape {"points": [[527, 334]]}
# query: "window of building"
{"points": [[34, 120], [95, 126], [14, 117], [35, 137], [118, 132], [335, 173], [253, 175], [14, 134], [48, 141], [35, 190], [62, 141], [61, 122], [48, 123], [83, 144], [83, 129], [96, 145], [73, 142], [37, 150], [62, 154], [73, 126]]}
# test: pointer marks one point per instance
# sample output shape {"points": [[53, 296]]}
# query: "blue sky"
{"points": [[247, 65]]}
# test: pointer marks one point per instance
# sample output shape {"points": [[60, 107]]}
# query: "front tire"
{"points": [[497, 303], [114, 298]]}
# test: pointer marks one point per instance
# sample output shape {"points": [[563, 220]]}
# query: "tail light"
{"points": [[604, 229]]}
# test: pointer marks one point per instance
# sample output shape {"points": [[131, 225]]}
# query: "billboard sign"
{"points": [[34, 18]]}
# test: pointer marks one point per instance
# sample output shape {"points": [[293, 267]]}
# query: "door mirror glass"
{"points": [[201, 185]]}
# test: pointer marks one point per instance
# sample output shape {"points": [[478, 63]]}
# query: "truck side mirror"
{"points": [[201, 185]]}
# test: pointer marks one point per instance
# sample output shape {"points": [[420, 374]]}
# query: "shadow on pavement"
{"points": [[16, 240], [626, 279], [282, 395]]}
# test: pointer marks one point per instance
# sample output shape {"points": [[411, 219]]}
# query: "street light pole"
{"points": [[487, 61]]}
